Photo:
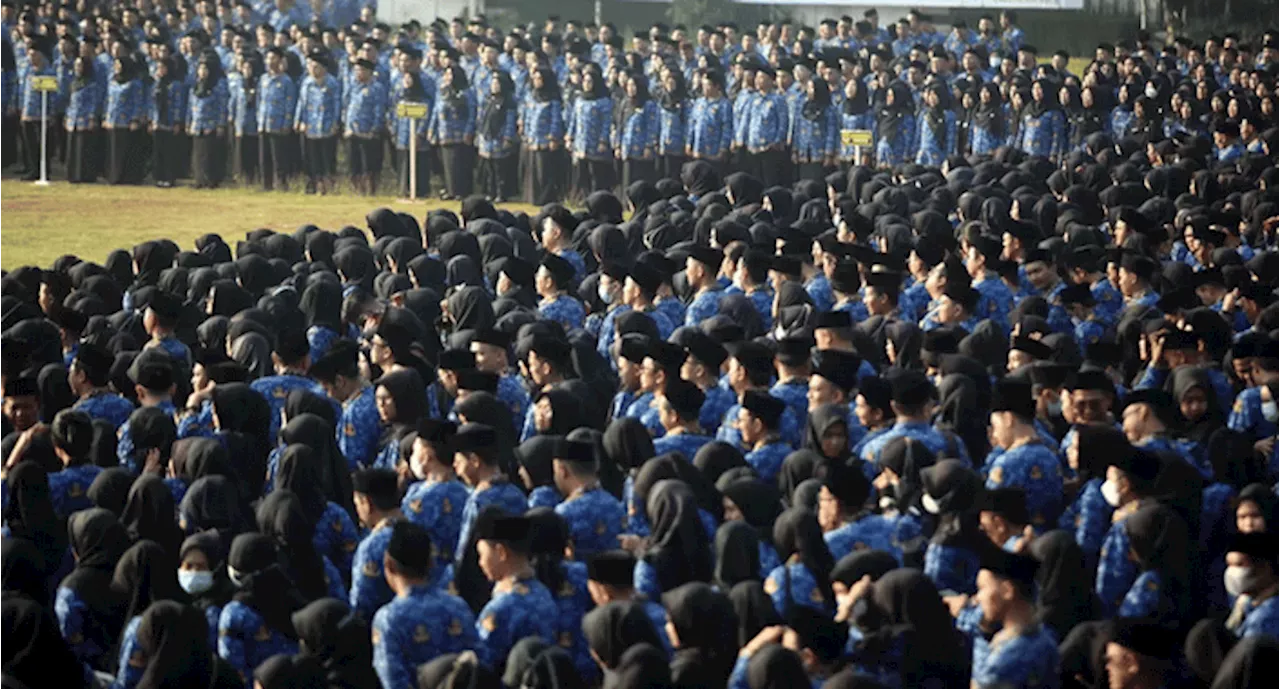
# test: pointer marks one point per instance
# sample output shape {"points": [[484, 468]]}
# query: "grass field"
{"points": [[39, 224]]}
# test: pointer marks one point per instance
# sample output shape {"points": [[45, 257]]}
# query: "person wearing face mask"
{"points": [[375, 494], [951, 559], [1088, 514], [1131, 477], [202, 573], [1251, 578], [1255, 411], [435, 500]]}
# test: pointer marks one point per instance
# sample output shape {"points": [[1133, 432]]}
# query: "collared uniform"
{"points": [[520, 608], [872, 532], [595, 518], [1024, 661], [107, 406], [69, 488], [686, 444], [359, 428], [767, 460], [711, 126], [704, 306], [1088, 517], [1247, 417], [245, 641], [1035, 468], [1144, 598], [416, 628], [916, 430], [1116, 568], [564, 310], [437, 506], [793, 584], [505, 495], [275, 390], [124, 445]]}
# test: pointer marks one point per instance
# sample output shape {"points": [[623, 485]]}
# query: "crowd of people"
{"points": [[999, 419]]}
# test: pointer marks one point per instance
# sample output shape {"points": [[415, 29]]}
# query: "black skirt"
{"points": [[82, 156], [164, 156], [670, 166], [545, 177], [594, 175], [206, 160], [457, 160], [244, 159], [497, 177], [121, 155]]}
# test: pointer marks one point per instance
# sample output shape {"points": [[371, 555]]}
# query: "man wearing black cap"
{"points": [[638, 292], [702, 368], [594, 517], [377, 501], [1023, 653], [490, 349], [521, 605], [1025, 350], [88, 376], [1140, 654], [420, 623], [160, 319], [846, 287], [661, 365], [911, 395], [956, 308], [751, 278], [443, 393], [611, 578], [153, 381], [700, 269], [1148, 416], [1025, 461], [436, 498], [996, 299], [364, 116], [1177, 348], [1081, 306], [476, 462], [552, 281], [319, 116], [1254, 412], [750, 368], [758, 422], [632, 348], [546, 360], [679, 405], [1134, 280], [1251, 577], [556, 237], [1002, 516], [1087, 266], [1131, 478], [290, 357], [277, 104], [359, 426]]}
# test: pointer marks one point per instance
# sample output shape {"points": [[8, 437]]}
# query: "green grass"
{"points": [[90, 220]]}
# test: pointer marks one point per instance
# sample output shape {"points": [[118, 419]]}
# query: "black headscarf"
{"points": [[550, 90], [1251, 663], [616, 626], [149, 514], [338, 638], [628, 444], [282, 517], [410, 395], [35, 654], [1066, 597], [891, 117], [1160, 540], [454, 95], [796, 532], [299, 473], [642, 667], [821, 420], [737, 555], [214, 547], [717, 457], [21, 570], [213, 502], [110, 491], [332, 474], [175, 640], [873, 563], [759, 502], [700, 178], [470, 309], [496, 108], [990, 115], [30, 516], [775, 667], [905, 605], [677, 549], [754, 610], [145, 574], [263, 584], [98, 541], [708, 630], [242, 411], [322, 305], [859, 103], [457, 670]]}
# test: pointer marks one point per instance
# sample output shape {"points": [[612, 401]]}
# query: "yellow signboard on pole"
{"points": [[855, 137], [44, 83], [414, 110]]}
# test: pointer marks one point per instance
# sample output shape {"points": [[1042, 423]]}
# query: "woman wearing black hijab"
{"points": [[20, 571], [244, 423], [642, 667], [1160, 541], [29, 516], [281, 516], [677, 551], [213, 502], [455, 105], [758, 504], [338, 639], [454, 671], [335, 532], [776, 667], [110, 491], [951, 559], [316, 432], [176, 653], [202, 574], [122, 142], [543, 136], [496, 139], [258, 622], [208, 97], [1064, 581], [402, 402], [145, 574], [703, 629], [89, 611], [149, 511], [321, 304], [535, 457], [635, 121], [34, 653], [613, 628], [469, 308], [737, 555], [804, 576]]}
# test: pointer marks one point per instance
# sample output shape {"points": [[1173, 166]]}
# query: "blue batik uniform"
{"points": [[1043, 135], [179, 352], [1107, 301], [913, 302], [605, 339], [934, 147], [198, 424], [1088, 332], [1121, 117], [952, 568], [895, 148], [544, 496], [132, 661], [107, 406], [595, 518], [519, 608], [717, 402], [916, 430], [124, 104], [816, 140], [245, 641], [767, 460], [672, 308], [589, 128], [437, 506], [853, 306], [1144, 597], [1247, 417], [207, 113], [762, 299], [417, 628], [637, 137], [124, 446], [275, 390], [69, 488], [743, 103], [872, 532], [453, 120], [277, 103], [319, 108], [359, 428], [513, 394], [1261, 618], [711, 127], [543, 123], [767, 123], [321, 337], [1035, 468], [995, 300], [505, 495], [365, 113], [793, 584], [819, 290], [564, 310], [242, 111], [1088, 517], [1190, 452], [175, 113], [335, 536], [788, 427], [1154, 377], [1116, 571], [575, 259], [573, 601], [859, 447], [1230, 154], [672, 125], [621, 402], [1024, 661], [81, 627], [686, 444], [704, 305], [369, 589], [83, 105], [795, 394]]}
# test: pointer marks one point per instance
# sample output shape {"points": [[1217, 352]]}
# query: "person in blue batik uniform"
{"points": [[1249, 414], [911, 391], [552, 281], [535, 457], [436, 500], [567, 583], [995, 300], [277, 106], [1251, 578], [365, 118], [751, 279], [147, 573], [318, 119], [896, 127], [710, 121], [635, 130], [206, 118], [950, 488], [490, 349], [815, 132], [475, 460], [1149, 414], [758, 420], [421, 622], [1024, 461], [453, 130], [587, 137], [701, 267], [702, 368], [804, 577], [358, 424], [765, 131], [856, 113], [840, 506], [1177, 349], [88, 620], [1044, 127], [679, 406], [542, 128], [521, 605], [290, 360], [375, 495], [1159, 540], [1079, 303], [1088, 515], [792, 366], [72, 435], [938, 127], [150, 427], [1024, 652], [609, 580], [1130, 478], [593, 516], [85, 97], [257, 623]]}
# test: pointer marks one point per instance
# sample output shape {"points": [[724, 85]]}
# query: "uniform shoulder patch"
{"points": [[770, 586], [997, 475], [489, 623], [815, 595], [421, 635], [263, 634], [1036, 474], [349, 430], [415, 506], [371, 569], [601, 529], [74, 490], [446, 505], [455, 627], [138, 659]]}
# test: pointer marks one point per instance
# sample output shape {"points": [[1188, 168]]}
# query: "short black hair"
{"points": [[72, 431], [379, 485], [291, 345]]}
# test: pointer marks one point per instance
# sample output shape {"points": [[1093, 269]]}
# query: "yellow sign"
{"points": [[407, 109], [44, 83], [855, 137]]}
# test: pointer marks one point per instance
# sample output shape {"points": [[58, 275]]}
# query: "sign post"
{"points": [[856, 138], [45, 85], [413, 111]]}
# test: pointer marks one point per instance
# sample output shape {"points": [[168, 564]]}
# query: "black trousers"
{"points": [[207, 160], [770, 167], [123, 164], [275, 159], [457, 162], [364, 157], [498, 177], [671, 166], [244, 163], [31, 147], [319, 156], [637, 171], [165, 156], [594, 175]]}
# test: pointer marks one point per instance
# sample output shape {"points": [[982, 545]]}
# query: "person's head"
{"points": [[199, 556], [473, 453], [338, 371], [1130, 476], [1012, 412], [407, 560], [1146, 413], [90, 369], [1250, 510], [1006, 585], [502, 544], [1138, 654], [1251, 564], [491, 351], [291, 350], [759, 416], [872, 404], [432, 448], [375, 493], [1002, 514], [573, 465], [72, 433], [609, 576]]}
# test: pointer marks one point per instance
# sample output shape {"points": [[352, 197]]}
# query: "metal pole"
{"points": [[857, 155], [44, 139], [413, 159], [599, 13]]}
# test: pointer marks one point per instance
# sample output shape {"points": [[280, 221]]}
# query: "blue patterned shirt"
{"points": [[872, 532], [767, 123], [900, 147], [711, 127], [1088, 517], [793, 583], [813, 141], [933, 149], [517, 609], [767, 460], [1024, 661], [319, 109], [84, 106], [437, 506], [416, 628], [275, 390], [359, 428], [124, 104], [506, 496], [1116, 569], [69, 488], [564, 310], [107, 406], [453, 120], [952, 568], [1035, 468], [207, 113], [366, 108], [638, 136], [245, 641], [277, 103], [542, 123], [589, 129]]}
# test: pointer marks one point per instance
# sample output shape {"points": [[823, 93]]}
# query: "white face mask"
{"points": [[1236, 579], [930, 505], [1269, 411], [419, 471], [605, 295], [1151, 91], [1111, 493], [194, 582], [994, 61]]}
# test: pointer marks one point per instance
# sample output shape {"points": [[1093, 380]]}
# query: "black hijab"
{"points": [[145, 574], [759, 502], [333, 476], [149, 514], [717, 457], [214, 547], [281, 516], [905, 603], [213, 502], [299, 473], [1160, 540], [550, 90], [642, 667], [35, 654], [110, 491], [797, 533], [321, 304], [30, 516], [754, 610], [708, 629], [175, 640], [497, 107], [677, 548], [616, 626], [859, 103], [98, 541], [470, 309], [737, 555], [329, 631], [1066, 597], [776, 667], [21, 570], [990, 115], [263, 584], [891, 117], [409, 393]]}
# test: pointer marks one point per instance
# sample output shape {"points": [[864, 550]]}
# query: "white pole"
{"points": [[857, 155], [413, 159], [44, 139]]}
